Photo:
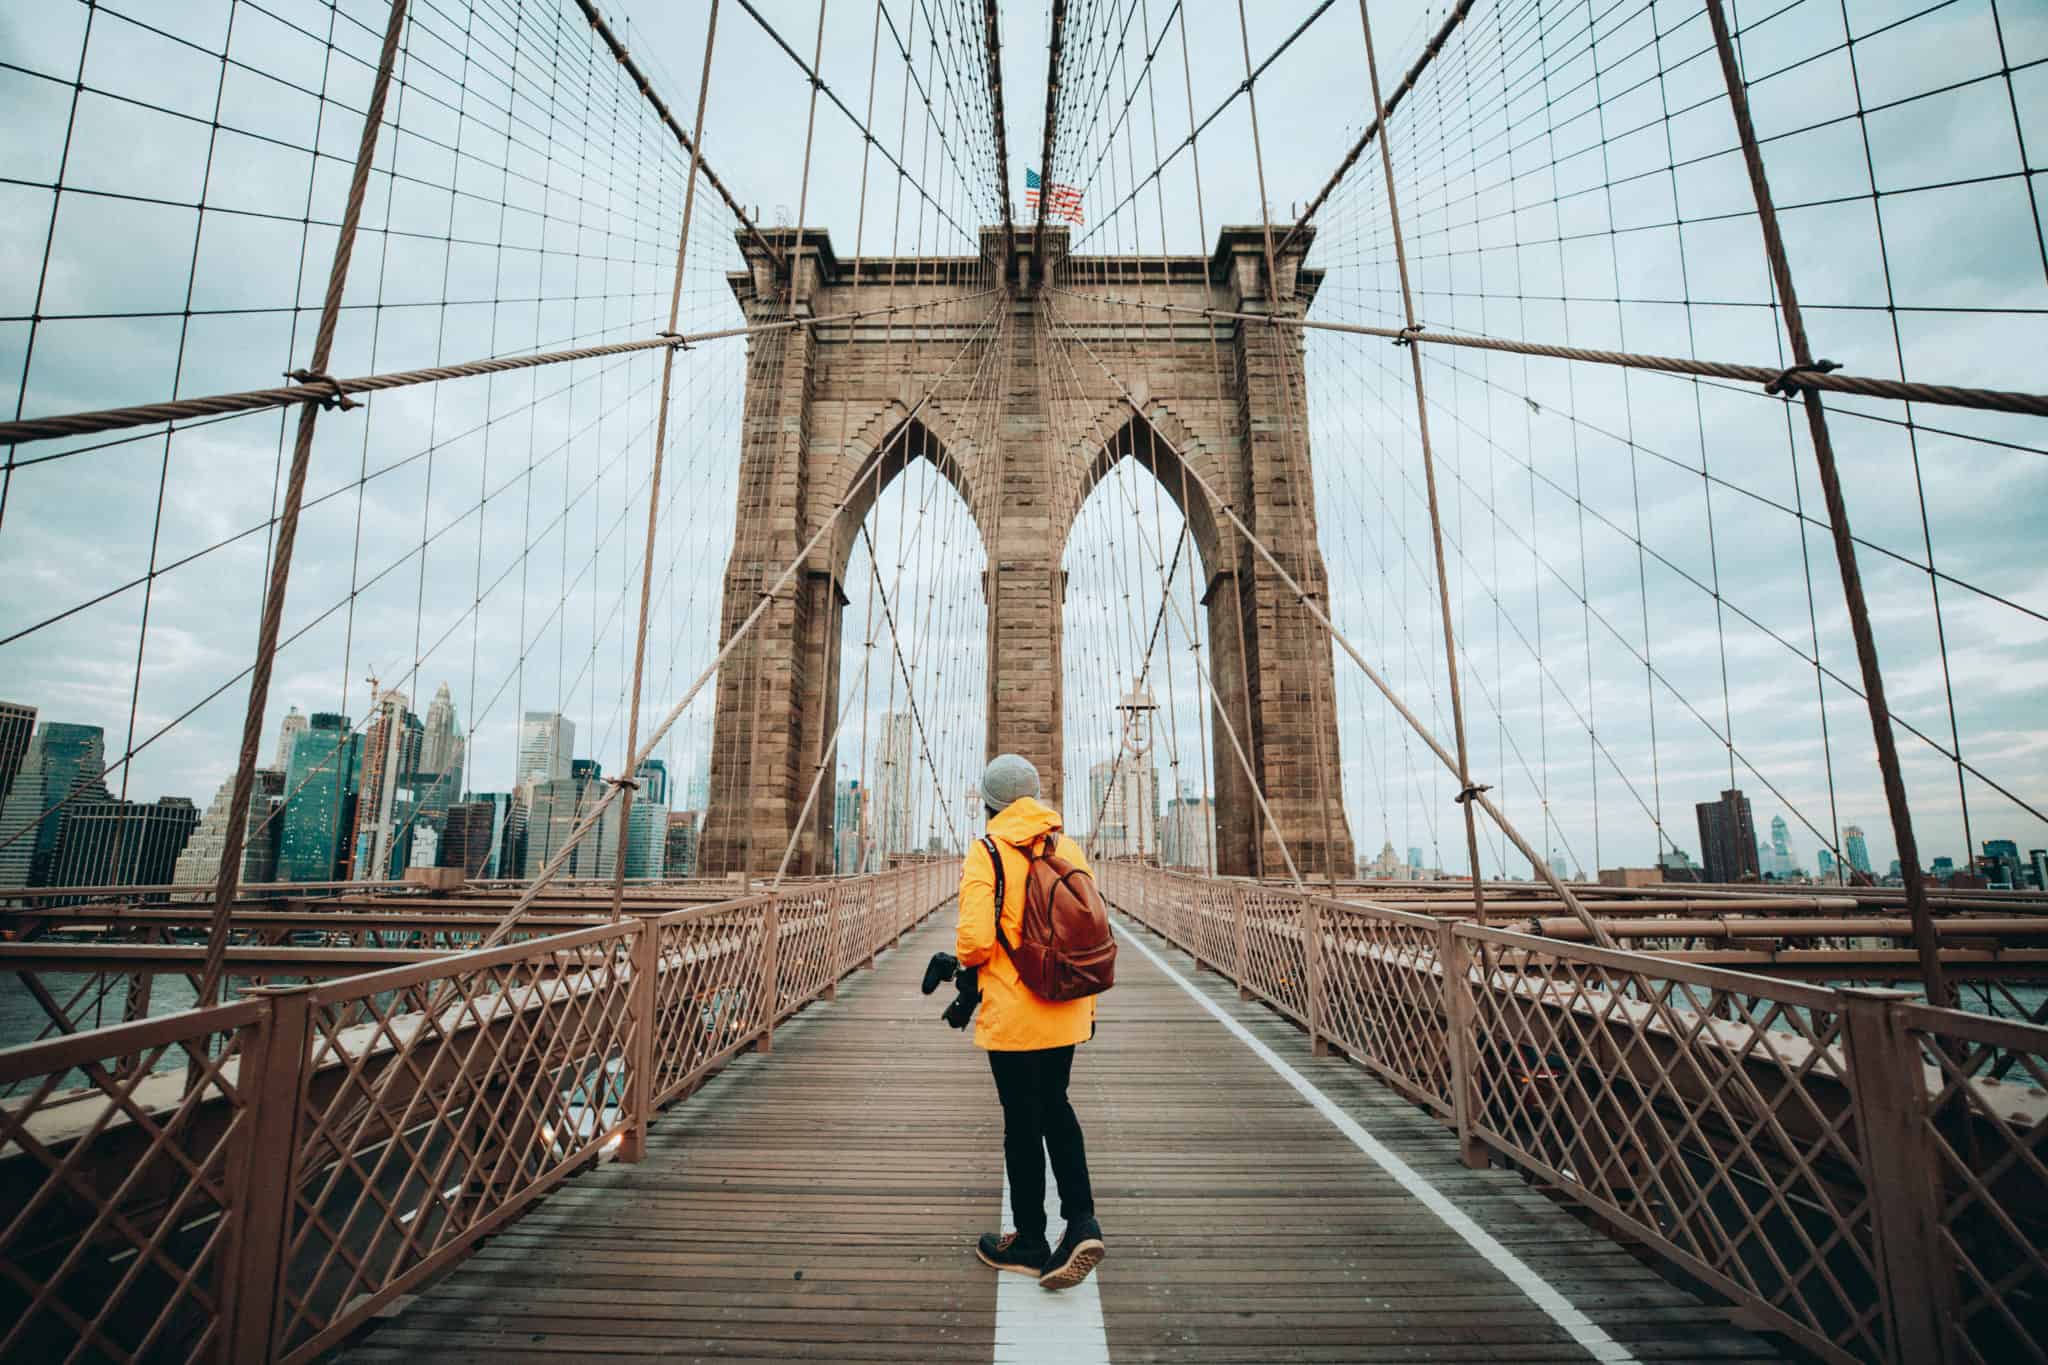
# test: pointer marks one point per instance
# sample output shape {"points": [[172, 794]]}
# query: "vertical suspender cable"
{"points": [[1466, 790], [1925, 942], [228, 882], [668, 363]]}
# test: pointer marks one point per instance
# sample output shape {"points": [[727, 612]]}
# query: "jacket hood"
{"points": [[1023, 820]]}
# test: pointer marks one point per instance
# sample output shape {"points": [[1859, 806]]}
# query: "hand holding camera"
{"points": [[966, 985]]}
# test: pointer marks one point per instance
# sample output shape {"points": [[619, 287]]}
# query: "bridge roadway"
{"points": [[821, 1201]]}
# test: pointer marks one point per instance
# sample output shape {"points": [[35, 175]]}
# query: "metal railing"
{"points": [[310, 1153], [1866, 1174]]}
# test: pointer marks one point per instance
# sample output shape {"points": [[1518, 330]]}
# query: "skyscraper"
{"points": [[647, 824], [512, 843], [1781, 848], [1728, 838], [199, 864], [469, 838], [895, 781], [558, 806], [1414, 857], [294, 721], [386, 802], [438, 783], [1123, 804], [2003, 855], [474, 836], [681, 857], [1855, 849], [438, 751], [123, 843], [849, 827], [1186, 837], [17, 727], [320, 784], [653, 775], [64, 763], [1825, 862], [546, 740]]}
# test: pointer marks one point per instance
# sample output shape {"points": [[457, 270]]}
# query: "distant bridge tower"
{"points": [[827, 403]]}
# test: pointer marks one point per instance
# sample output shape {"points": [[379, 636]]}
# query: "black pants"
{"points": [[1039, 1123]]}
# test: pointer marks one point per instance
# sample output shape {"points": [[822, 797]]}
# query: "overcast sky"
{"points": [[1637, 599]]}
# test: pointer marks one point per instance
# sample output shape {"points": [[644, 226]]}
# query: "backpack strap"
{"points": [[995, 859]]}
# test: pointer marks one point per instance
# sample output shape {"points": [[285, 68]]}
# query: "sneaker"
{"points": [[1008, 1251], [1078, 1253]]}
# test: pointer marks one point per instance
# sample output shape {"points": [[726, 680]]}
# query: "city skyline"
{"points": [[290, 805], [324, 810]]}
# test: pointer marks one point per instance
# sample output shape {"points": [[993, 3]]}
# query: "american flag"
{"points": [[1062, 201]]}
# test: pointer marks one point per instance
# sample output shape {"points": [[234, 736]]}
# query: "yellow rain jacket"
{"points": [[1011, 1018]]}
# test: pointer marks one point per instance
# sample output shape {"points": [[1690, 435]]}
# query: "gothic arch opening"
{"points": [[1135, 652], [912, 660]]}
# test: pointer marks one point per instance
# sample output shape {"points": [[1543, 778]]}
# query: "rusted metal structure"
{"points": [[1857, 1170], [254, 1180]]}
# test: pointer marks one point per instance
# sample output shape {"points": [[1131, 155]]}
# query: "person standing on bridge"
{"points": [[1030, 1040]]}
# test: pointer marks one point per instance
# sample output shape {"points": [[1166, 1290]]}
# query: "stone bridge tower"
{"points": [[1025, 395]]}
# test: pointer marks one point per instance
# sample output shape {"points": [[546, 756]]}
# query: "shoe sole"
{"points": [[1076, 1268], [983, 1257]]}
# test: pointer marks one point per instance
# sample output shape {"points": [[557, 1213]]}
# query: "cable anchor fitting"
{"points": [[334, 398], [677, 340], [1790, 385], [632, 782], [1470, 793], [1408, 334]]}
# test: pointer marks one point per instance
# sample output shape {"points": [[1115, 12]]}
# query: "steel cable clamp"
{"points": [[1470, 793], [334, 397], [1790, 385]]}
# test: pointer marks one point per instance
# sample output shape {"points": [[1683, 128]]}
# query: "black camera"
{"points": [[966, 985]]}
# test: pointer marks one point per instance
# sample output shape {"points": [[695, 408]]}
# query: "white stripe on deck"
{"points": [[1560, 1310], [1034, 1325]]}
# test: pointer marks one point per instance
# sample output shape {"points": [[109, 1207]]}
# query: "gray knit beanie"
{"points": [[1006, 778]]}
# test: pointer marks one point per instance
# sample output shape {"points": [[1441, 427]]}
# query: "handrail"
{"points": [[257, 1179], [1861, 1172]]}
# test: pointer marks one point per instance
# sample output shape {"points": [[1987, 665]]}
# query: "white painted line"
{"points": [[1035, 1326], [1560, 1309]]}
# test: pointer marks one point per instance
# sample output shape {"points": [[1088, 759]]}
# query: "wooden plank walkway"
{"points": [[821, 1201]]}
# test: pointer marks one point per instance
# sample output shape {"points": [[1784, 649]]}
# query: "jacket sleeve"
{"points": [[974, 942]]}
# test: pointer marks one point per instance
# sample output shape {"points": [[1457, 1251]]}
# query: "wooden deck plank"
{"points": [[820, 1203]]}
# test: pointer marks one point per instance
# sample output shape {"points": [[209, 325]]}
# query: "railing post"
{"points": [[1461, 1038], [1237, 915], [832, 931], [771, 990], [272, 1074], [1903, 1175], [1312, 958], [877, 919], [640, 1041]]}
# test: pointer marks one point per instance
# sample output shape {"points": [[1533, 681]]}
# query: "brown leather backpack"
{"points": [[1064, 949]]}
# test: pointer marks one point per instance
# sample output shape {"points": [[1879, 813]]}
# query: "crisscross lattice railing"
{"points": [[252, 1181], [1866, 1174]]}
